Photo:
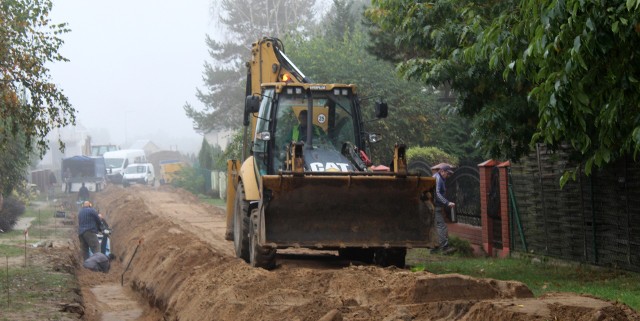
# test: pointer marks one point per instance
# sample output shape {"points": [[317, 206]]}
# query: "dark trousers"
{"points": [[89, 240], [441, 227]]}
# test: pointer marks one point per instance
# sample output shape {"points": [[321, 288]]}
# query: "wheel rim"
{"points": [[252, 248]]}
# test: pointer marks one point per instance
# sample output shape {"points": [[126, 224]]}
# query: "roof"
{"points": [[81, 159], [145, 144]]}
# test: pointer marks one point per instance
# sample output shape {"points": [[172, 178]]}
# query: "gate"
{"points": [[493, 207], [463, 188]]}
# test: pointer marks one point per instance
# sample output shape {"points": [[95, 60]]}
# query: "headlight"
{"points": [[374, 138], [264, 136]]}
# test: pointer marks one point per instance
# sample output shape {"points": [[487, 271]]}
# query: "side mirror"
{"points": [[251, 105], [382, 110]]}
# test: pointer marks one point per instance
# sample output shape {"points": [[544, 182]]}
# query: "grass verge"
{"points": [[541, 276], [34, 290], [10, 250], [213, 201]]}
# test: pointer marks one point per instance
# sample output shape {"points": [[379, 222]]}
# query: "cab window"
{"points": [[262, 125]]}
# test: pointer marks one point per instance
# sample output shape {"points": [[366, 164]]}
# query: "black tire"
{"points": [[241, 225], [261, 257], [391, 257], [357, 254]]}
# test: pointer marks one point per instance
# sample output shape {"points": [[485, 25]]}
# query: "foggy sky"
{"points": [[133, 65]]}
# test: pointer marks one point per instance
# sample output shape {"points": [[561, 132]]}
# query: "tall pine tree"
{"points": [[243, 22], [205, 157]]}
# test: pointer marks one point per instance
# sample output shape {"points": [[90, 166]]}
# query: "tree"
{"points": [[581, 59], [416, 117], [245, 21], [429, 38], [528, 72], [325, 60], [30, 104], [219, 160], [205, 157], [341, 18], [234, 147], [14, 162], [190, 179]]}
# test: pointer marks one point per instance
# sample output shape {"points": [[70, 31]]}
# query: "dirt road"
{"points": [[185, 270]]}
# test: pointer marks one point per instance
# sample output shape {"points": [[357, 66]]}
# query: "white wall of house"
{"points": [[221, 137], [74, 139]]}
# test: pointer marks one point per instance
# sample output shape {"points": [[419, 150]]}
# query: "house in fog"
{"points": [[76, 140], [148, 146], [218, 137]]}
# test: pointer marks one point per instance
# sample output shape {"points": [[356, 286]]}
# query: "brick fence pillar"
{"points": [[504, 208], [487, 223]]}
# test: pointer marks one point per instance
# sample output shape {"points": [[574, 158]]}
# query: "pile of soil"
{"points": [[183, 269]]}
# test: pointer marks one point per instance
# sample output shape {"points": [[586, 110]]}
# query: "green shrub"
{"points": [[431, 155], [463, 247], [234, 147], [219, 158], [190, 179], [12, 208]]}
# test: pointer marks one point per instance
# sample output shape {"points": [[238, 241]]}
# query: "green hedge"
{"points": [[430, 155]]}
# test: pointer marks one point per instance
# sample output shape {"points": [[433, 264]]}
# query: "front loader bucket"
{"points": [[337, 211]]}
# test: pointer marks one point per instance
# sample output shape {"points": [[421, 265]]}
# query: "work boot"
{"points": [[449, 250]]}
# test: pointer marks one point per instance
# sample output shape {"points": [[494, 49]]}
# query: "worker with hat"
{"points": [[444, 171], [88, 227]]}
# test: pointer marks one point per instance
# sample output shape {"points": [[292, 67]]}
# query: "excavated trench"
{"points": [[184, 270]]}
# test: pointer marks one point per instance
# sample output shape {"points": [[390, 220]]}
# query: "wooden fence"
{"points": [[594, 219]]}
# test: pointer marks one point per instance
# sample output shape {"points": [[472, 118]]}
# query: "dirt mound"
{"points": [[186, 271], [184, 195]]}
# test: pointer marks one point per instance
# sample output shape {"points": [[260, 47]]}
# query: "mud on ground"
{"points": [[184, 270]]}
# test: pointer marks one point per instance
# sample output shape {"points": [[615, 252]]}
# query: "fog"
{"points": [[133, 65]]}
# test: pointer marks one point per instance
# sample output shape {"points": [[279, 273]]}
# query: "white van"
{"points": [[117, 161], [139, 173]]}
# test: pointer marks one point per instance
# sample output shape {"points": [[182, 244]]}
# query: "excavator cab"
{"points": [[334, 122]]}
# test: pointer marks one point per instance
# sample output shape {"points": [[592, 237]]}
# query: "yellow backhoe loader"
{"points": [[313, 187]]}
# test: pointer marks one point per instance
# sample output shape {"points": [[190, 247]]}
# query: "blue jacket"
{"points": [[88, 220]]}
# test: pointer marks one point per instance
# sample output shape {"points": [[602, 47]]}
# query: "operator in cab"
{"points": [[299, 133]]}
